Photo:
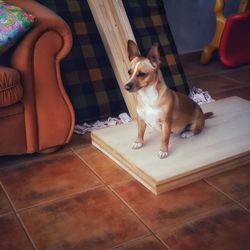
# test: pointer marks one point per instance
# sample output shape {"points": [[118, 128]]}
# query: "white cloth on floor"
{"points": [[111, 121], [200, 96]]}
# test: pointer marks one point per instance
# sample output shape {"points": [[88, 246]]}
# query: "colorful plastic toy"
{"points": [[231, 36]]}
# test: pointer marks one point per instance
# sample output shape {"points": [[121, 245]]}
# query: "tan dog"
{"points": [[158, 106]]}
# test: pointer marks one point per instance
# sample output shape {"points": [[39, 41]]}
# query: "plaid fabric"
{"points": [[86, 72], [149, 24]]}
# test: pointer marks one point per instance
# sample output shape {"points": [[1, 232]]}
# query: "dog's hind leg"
{"points": [[186, 132], [193, 129], [196, 128]]}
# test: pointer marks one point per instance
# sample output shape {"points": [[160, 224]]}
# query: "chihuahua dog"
{"points": [[158, 106]]}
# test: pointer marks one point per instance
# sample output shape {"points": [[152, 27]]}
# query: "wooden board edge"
{"points": [[241, 160], [159, 187], [207, 167], [128, 166]]}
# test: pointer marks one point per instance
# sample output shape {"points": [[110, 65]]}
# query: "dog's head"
{"points": [[144, 70]]}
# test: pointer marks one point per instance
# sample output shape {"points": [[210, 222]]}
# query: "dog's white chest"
{"points": [[147, 108]]}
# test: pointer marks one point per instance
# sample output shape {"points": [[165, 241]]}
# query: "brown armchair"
{"points": [[35, 112]]}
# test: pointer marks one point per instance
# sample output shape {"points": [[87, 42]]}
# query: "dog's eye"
{"points": [[130, 71], [141, 74]]}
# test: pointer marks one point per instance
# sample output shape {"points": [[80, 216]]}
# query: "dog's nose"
{"points": [[128, 86]]}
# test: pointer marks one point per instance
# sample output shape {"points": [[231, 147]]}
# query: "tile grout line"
{"points": [[227, 195], [9, 199], [36, 158], [88, 165], [207, 74], [133, 240], [11, 207], [18, 218], [92, 170], [79, 147], [123, 202], [189, 220], [54, 200], [236, 81], [96, 174], [26, 230], [196, 218], [177, 224], [137, 216], [218, 73], [162, 241]]}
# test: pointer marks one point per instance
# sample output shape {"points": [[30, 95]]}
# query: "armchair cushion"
{"points": [[11, 90], [14, 22]]}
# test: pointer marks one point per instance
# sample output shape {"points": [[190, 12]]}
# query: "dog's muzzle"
{"points": [[129, 86]]}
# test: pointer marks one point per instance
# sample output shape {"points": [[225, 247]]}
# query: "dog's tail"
{"points": [[208, 115]]}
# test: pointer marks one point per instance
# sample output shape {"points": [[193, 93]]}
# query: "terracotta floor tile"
{"points": [[246, 202], [12, 235], [235, 183], [103, 166], [95, 219], [241, 92], [33, 182], [195, 69], [147, 243], [224, 229], [5, 206], [79, 141], [240, 75], [172, 207], [9, 160], [216, 85]]}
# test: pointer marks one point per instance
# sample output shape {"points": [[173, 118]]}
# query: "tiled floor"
{"points": [[77, 198]]}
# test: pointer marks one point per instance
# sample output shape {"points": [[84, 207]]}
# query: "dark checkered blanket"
{"points": [[149, 24], [87, 73]]}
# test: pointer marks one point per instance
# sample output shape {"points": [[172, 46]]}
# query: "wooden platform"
{"points": [[224, 144]]}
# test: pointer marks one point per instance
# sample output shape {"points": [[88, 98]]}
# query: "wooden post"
{"points": [[115, 30]]}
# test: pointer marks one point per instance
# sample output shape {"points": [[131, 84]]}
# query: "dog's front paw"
{"points": [[162, 154], [137, 145]]}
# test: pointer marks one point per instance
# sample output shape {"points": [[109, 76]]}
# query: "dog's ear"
{"points": [[133, 50], [154, 55]]}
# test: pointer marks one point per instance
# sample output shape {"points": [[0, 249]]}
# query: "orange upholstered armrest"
{"points": [[46, 21], [48, 111]]}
